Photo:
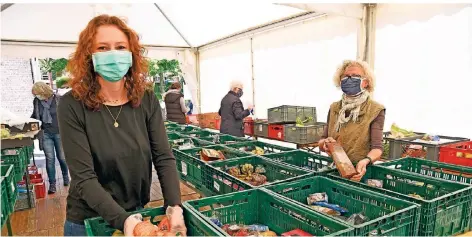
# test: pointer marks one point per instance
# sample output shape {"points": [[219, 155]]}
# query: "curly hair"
{"points": [[84, 84], [43, 89], [368, 73]]}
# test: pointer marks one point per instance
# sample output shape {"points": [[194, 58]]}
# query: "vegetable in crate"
{"points": [[375, 183], [342, 161], [301, 123], [398, 133], [258, 179], [258, 151]]}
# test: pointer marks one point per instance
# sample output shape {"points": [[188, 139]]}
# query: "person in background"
{"points": [[45, 110], [175, 104], [232, 111], [115, 133], [356, 120], [190, 108]]}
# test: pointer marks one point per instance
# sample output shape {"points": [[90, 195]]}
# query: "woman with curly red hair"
{"points": [[113, 131]]}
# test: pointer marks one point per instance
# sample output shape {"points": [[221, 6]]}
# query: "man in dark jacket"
{"points": [[232, 111], [175, 104]]}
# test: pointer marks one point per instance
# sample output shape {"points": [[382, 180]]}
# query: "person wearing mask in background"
{"points": [[356, 120], [175, 104], [232, 111], [45, 109], [115, 133]]}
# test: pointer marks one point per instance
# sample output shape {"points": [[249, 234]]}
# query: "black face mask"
{"points": [[240, 93]]}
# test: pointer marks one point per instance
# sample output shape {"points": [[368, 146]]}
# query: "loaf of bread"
{"points": [[342, 161]]}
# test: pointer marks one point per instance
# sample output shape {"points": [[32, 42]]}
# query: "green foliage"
{"points": [[61, 81], [59, 65], [53, 66]]}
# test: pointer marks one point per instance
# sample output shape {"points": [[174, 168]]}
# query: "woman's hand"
{"points": [[176, 219], [361, 170]]}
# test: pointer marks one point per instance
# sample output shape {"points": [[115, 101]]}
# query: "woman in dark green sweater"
{"points": [[113, 132]]}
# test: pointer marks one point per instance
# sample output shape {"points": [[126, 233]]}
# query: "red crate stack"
{"points": [[249, 126], [276, 131], [457, 154]]}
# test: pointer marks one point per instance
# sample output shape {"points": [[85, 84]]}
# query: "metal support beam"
{"points": [[199, 84], [5, 6], [71, 43], [370, 25], [172, 24], [263, 28], [252, 75]]}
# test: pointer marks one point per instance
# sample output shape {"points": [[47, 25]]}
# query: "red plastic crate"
{"points": [[457, 154], [40, 190], [34, 179], [276, 131], [249, 126]]}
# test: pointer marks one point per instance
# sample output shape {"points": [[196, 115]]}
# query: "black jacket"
{"points": [[232, 114], [52, 128]]}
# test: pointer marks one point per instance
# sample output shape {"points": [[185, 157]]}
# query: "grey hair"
{"points": [[43, 89], [368, 73], [236, 84]]}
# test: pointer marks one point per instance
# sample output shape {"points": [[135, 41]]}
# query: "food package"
{"points": [[325, 210], [296, 232], [342, 161], [334, 207], [317, 197], [258, 228], [375, 183], [357, 219], [211, 155], [145, 228], [414, 195], [164, 225]]}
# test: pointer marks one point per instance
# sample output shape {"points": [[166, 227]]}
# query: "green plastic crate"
{"points": [[195, 225], [200, 134], [172, 125], [455, 173], [178, 144], [219, 181], [17, 158], [446, 208], [224, 139], [258, 207], [387, 215], [9, 183], [185, 129], [5, 208], [190, 165], [250, 146], [173, 136], [306, 160]]}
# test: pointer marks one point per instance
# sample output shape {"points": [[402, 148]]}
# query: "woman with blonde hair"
{"points": [[45, 110], [115, 133], [356, 121]]}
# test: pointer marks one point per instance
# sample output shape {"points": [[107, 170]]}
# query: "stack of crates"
{"points": [[445, 206], [18, 158], [9, 191], [281, 125]]}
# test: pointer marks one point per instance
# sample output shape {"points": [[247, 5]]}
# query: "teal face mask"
{"points": [[112, 65]]}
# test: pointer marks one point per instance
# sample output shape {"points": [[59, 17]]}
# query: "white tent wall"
{"points": [[218, 67], [295, 65], [423, 64]]}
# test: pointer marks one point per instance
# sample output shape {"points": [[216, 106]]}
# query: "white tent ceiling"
{"points": [[199, 23]]}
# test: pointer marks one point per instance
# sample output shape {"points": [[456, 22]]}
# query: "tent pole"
{"points": [[172, 24], [199, 87], [5, 6], [252, 75]]}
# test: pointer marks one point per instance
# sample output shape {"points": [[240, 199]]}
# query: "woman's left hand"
{"points": [[361, 170], [176, 220]]}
